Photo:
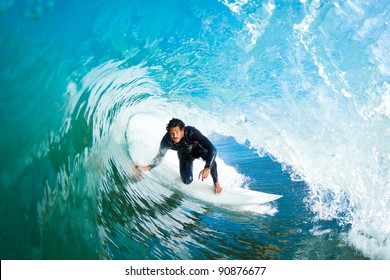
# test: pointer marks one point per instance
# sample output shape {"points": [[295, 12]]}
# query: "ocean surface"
{"points": [[295, 95]]}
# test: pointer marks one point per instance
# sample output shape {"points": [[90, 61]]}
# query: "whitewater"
{"points": [[295, 96]]}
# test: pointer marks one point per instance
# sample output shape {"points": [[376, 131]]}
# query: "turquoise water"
{"points": [[295, 96]]}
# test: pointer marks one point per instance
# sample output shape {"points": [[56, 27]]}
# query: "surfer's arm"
{"points": [[160, 156], [205, 143]]}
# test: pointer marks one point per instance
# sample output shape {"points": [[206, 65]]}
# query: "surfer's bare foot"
{"points": [[217, 187]]}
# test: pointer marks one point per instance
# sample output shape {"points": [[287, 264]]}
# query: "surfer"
{"points": [[190, 144]]}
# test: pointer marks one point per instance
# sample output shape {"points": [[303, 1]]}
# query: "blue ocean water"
{"points": [[295, 95]]}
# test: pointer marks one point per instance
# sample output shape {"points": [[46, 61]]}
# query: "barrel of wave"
{"points": [[144, 135]]}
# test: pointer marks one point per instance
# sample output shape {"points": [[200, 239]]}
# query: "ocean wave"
{"points": [[308, 91]]}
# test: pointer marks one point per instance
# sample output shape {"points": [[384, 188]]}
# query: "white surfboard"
{"points": [[229, 196]]}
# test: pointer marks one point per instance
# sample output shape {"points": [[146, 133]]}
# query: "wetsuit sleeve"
{"points": [[161, 153], [205, 143]]}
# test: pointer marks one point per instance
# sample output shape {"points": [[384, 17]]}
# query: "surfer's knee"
{"points": [[187, 180]]}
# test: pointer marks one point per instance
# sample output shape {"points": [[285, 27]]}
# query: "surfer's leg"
{"points": [[214, 175], [214, 172], [186, 170]]}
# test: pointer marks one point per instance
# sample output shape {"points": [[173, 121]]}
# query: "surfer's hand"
{"points": [[204, 173], [142, 167]]}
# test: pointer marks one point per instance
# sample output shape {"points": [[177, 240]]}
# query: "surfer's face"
{"points": [[176, 134]]}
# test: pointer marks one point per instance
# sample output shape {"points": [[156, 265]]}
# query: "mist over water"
{"points": [[295, 95]]}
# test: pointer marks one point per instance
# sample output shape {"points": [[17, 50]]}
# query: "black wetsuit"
{"points": [[193, 145]]}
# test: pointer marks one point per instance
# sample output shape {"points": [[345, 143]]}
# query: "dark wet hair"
{"points": [[175, 122]]}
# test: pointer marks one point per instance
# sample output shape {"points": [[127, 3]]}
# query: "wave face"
{"points": [[294, 94]]}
